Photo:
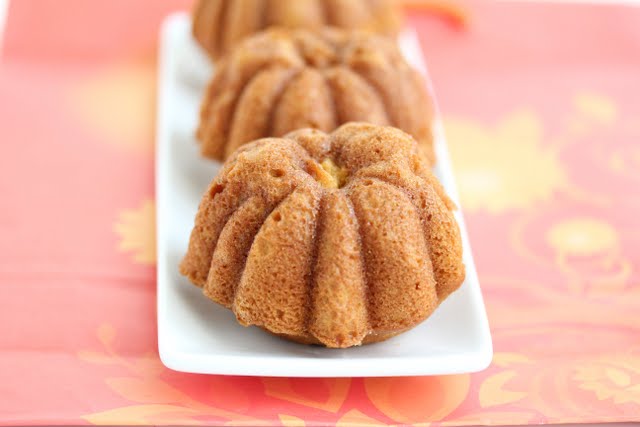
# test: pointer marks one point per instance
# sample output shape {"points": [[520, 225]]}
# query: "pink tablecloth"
{"points": [[542, 111]]}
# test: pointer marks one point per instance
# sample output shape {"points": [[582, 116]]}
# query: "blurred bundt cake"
{"points": [[282, 80], [339, 239], [219, 24]]}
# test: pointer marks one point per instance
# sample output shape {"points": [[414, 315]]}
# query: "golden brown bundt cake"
{"points": [[339, 239], [283, 80], [220, 24]]}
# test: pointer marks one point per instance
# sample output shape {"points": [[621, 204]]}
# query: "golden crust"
{"points": [[339, 239], [218, 25], [282, 80]]}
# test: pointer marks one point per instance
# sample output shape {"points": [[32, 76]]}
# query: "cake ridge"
{"points": [[320, 322], [427, 222], [207, 243], [377, 234], [300, 107], [366, 281], [269, 239], [313, 259], [269, 211], [215, 279], [423, 221], [237, 126], [277, 100], [324, 9], [381, 94], [333, 76]]}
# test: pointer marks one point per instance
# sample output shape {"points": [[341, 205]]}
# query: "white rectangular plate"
{"points": [[197, 335]]}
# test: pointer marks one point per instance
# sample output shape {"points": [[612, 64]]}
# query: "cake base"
{"points": [[372, 338]]}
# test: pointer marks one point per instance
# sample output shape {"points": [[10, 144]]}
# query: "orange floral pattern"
{"points": [[616, 377], [355, 418], [326, 394], [98, 103], [153, 398], [136, 229], [504, 167], [544, 140], [417, 399]]}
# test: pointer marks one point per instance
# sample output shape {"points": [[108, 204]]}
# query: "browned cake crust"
{"points": [[282, 80], [337, 239], [218, 25]]}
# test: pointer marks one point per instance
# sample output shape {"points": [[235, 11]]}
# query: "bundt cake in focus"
{"points": [[220, 24], [283, 80], [339, 239]]}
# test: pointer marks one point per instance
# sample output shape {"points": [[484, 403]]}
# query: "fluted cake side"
{"points": [[282, 80], [218, 25], [337, 239]]}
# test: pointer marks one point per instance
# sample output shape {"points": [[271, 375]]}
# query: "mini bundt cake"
{"points": [[220, 24], [340, 239], [283, 80]]}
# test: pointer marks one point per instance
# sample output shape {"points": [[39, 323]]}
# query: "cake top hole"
{"points": [[328, 173]]}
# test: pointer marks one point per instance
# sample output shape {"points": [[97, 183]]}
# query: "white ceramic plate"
{"points": [[197, 335]]}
